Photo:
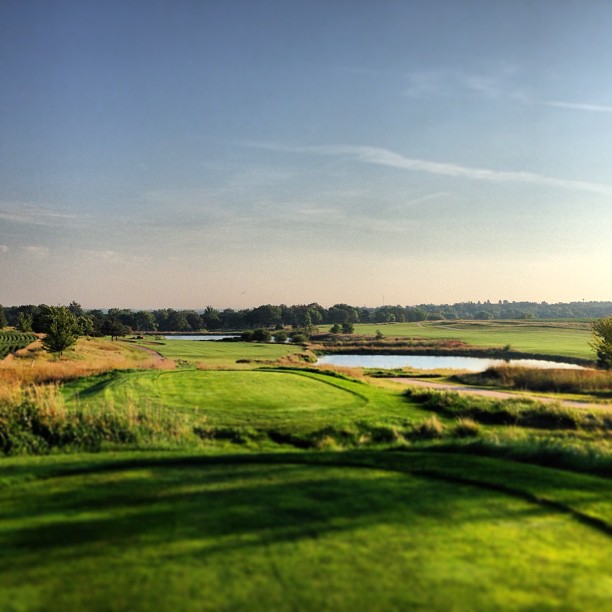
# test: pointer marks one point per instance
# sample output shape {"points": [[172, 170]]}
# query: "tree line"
{"points": [[117, 321]]}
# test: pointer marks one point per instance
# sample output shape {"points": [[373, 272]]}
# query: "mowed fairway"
{"points": [[292, 400], [298, 531], [532, 337], [221, 354]]}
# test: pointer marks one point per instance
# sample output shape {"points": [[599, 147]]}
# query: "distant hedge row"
{"points": [[11, 341]]}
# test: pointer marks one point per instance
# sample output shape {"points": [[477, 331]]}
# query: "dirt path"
{"points": [[425, 384], [154, 354]]}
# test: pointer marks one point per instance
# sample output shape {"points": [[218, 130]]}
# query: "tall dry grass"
{"points": [[536, 379], [32, 366]]}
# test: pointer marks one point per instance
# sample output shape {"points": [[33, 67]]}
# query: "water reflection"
{"points": [[435, 362]]}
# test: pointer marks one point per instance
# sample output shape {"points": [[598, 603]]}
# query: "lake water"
{"points": [[434, 362], [202, 337]]}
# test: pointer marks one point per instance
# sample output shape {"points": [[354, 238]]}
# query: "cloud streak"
{"points": [[384, 157], [31, 215], [592, 108]]}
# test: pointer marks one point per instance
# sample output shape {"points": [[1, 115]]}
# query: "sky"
{"points": [[241, 152]]}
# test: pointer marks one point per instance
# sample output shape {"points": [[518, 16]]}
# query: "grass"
{"points": [[222, 354], [233, 486], [32, 365], [284, 401], [300, 531], [533, 379], [546, 338]]}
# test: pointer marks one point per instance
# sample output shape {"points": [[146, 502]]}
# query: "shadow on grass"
{"points": [[218, 506], [236, 501]]}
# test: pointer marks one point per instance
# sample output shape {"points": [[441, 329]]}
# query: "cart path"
{"points": [[425, 384], [154, 354]]}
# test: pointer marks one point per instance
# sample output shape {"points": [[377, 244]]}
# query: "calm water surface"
{"points": [[434, 362]]}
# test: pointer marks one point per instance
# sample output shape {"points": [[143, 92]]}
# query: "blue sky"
{"points": [[242, 152]]}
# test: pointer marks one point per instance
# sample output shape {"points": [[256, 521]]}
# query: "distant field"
{"points": [[562, 338], [11, 341], [302, 531], [220, 354]]}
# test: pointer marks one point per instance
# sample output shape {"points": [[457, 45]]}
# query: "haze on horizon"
{"points": [[180, 154]]}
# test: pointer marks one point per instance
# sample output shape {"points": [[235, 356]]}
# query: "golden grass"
{"points": [[33, 366]]}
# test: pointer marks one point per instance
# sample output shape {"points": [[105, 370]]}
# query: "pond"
{"points": [[435, 362], [206, 337]]}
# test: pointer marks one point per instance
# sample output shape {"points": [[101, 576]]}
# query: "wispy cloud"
{"points": [[591, 108], [384, 157], [101, 254], [4, 248], [491, 83], [38, 251], [28, 214]]}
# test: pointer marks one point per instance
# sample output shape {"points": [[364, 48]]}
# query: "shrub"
{"points": [[428, 429], [466, 428], [261, 335], [280, 336]]}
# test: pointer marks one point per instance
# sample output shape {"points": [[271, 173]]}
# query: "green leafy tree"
{"points": [[211, 318], [261, 335], [63, 330], [348, 327], [3, 321], [114, 328], [280, 336], [24, 322], [602, 342]]}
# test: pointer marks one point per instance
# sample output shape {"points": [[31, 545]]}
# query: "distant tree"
{"points": [[24, 322], [265, 316], [63, 330], [261, 335], [114, 328], [194, 319], [144, 321], [602, 342], [3, 320], [280, 336], [42, 319], [87, 324], [379, 335], [75, 308], [348, 327], [335, 329], [211, 318], [177, 321]]}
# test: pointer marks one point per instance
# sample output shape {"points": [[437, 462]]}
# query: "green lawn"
{"points": [[286, 400], [220, 354], [546, 338], [322, 531]]}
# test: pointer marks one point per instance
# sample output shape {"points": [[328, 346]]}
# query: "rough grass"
{"points": [[89, 356], [36, 421], [522, 412], [534, 379]]}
